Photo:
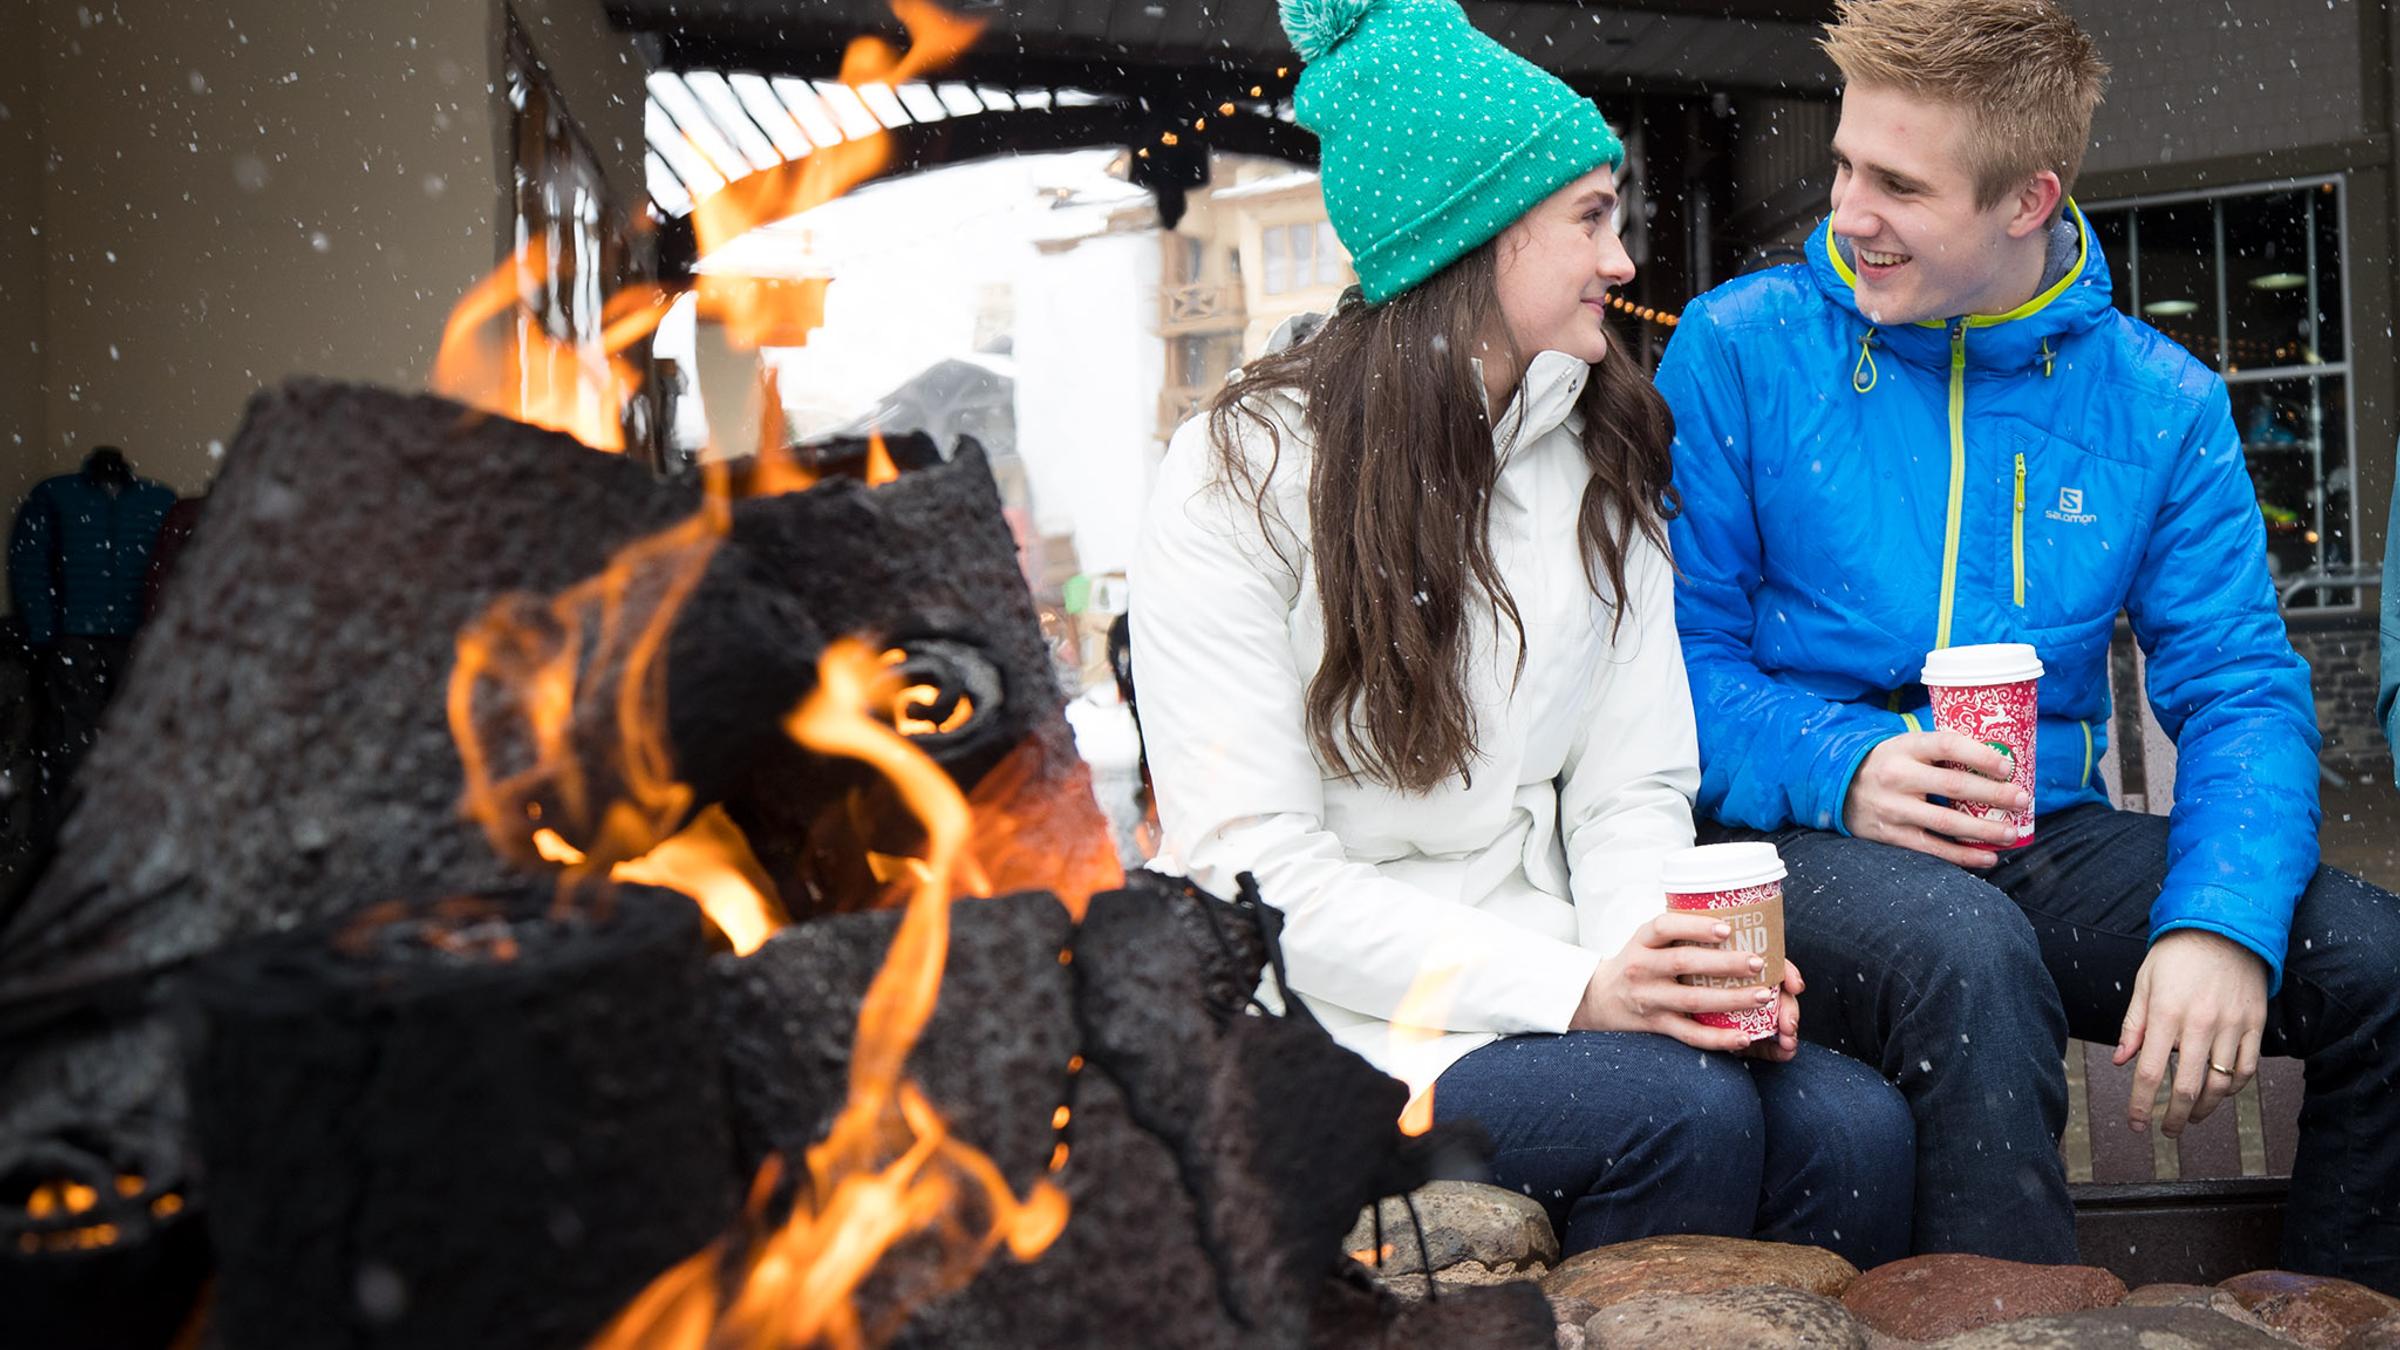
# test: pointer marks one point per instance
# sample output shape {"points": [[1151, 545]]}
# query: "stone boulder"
{"points": [[2380, 1335], [2315, 1310], [1925, 1298], [2205, 1296], [1760, 1317], [1689, 1264], [2174, 1327], [1463, 1221], [1476, 1235]]}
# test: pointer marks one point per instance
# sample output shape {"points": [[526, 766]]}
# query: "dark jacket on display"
{"points": [[78, 554]]}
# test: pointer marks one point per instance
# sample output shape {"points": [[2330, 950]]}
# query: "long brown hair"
{"points": [[1400, 500]]}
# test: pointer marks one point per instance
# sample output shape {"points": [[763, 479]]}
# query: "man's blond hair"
{"points": [[2026, 76]]}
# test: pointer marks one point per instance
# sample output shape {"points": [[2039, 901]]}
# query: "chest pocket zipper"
{"points": [[2016, 547]]}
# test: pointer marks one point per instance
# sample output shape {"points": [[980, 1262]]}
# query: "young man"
{"points": [[1938, 432]]}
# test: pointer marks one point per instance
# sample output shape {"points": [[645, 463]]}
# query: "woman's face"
{"points": [[1557, 265]]}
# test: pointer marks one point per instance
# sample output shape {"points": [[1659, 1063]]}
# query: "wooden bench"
{"points": [[2150, 1208]]}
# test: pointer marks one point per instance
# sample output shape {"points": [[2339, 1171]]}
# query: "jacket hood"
{"points": [[2024, 337], [1545, 398]]}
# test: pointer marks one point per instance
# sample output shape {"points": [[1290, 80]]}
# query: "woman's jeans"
{"points": [[1624, 1134], [1964, 986]]}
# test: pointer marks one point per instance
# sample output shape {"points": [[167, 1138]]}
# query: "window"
{"points": [[1301, 256], [1332, 261], [1276, 246], [1201, 361], [2251, 282]]}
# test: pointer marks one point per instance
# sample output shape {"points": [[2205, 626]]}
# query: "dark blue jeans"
{"points": [[1963, 988], [1624, 1134]]}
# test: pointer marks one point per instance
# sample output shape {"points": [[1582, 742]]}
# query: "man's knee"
{"points": [[2346, 941]]}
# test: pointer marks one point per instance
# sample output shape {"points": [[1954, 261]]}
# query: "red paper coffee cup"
{"points": [[1988, 692], [1743, 885]]}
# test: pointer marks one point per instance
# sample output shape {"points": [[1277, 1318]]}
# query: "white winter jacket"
{"points": [[1485, 908]]}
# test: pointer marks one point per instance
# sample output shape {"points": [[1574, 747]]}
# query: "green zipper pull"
{"points": [[2017, 539]]}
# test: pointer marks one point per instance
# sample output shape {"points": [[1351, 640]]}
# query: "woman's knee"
{"points": [[1864, 1124], [1712, 1110]]}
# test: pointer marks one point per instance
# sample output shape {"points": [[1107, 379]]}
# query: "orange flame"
{"points": [[880, 468], [69, 1199], [537, 651], [1420, 1018], [888, 1168], [530, 374], [775, 471], [711, 862], [936, 37]]}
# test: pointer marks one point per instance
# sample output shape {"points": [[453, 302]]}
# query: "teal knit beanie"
{"points": [[1434, 137]]}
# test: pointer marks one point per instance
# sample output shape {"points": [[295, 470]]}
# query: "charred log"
{"points": [[924, 565], [280, 748], [479, 1122], [1215, 1160]]}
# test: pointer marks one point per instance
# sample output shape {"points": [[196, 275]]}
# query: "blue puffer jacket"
{"points": [[77, 556], [1855, 495]]}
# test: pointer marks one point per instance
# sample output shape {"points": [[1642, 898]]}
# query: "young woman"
{"points": [[1407, 648]]}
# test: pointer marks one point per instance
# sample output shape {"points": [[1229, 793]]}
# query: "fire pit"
{"points": [[519, 900], [494, 1116]]}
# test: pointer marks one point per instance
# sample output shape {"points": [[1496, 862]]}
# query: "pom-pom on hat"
{"points": [[1434, 137]]}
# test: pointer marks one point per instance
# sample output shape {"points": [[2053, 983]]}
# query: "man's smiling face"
{"points": [[1904, 198]]}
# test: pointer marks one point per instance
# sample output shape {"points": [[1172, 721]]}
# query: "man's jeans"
{"points": [[1963, 988], [1624, 1134]]}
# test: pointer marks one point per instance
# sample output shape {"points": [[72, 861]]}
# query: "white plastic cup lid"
{"points": [[1984, 663], [1720, 867]]}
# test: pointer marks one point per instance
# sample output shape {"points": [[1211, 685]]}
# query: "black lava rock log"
{"points": [[1215, 1159], [282, 745], [924, 564], [467, 1123]]}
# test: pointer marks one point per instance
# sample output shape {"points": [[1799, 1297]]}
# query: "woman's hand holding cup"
{"points": [[1641, 987]]}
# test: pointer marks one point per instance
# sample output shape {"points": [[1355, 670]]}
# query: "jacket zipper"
{"points": [[1958, 479], [2016, 546]]}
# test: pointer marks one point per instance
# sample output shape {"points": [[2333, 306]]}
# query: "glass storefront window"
{"points": [[2250, 281]]}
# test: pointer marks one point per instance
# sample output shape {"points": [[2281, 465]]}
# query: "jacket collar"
{"points": [[1545, 398], [2026, 337]]}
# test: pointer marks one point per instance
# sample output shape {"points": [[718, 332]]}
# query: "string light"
{"points": [[1643, 312]]}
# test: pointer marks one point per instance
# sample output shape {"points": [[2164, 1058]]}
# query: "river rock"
{"points": [[2315, 1310], [1760, 1317], [2194, 1296], [2174, 1327], [1928, 1297], [1502, 1231], [1690, 1264], [2378, 1335]]}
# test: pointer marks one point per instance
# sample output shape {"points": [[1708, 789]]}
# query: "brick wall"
{"points": [[2343, 659], [2198, 79], [2343, 655]]}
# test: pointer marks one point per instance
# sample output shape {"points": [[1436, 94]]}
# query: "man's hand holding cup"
{"points": [[1891, 802], [1979, 758]]}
